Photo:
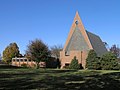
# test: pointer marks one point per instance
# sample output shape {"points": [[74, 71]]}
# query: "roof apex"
{"points": [[77, 21], [77, 13]]}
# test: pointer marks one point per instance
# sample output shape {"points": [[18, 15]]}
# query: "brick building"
{"points": [[19, 61], [79, 43]]}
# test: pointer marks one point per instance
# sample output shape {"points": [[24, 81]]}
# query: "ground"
{"points": [[55, 79]]}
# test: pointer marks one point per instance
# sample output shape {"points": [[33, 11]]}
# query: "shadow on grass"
{"points": [[60, 71], [48, 81], [108, 81], [5, 66]]}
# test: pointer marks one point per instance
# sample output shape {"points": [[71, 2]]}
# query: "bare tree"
{"points": [[116, 50], [55, 51], [0, 57]]}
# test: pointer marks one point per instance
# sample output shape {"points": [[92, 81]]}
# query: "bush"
{"points": [[65, 67], [92, 61], [74, 64], [109, 62], [24, 65]]}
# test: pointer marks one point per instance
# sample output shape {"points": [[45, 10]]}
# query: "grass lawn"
{"points": [[53, 79]]}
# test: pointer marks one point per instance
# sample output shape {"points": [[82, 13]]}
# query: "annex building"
{"points": [[79, 43]]}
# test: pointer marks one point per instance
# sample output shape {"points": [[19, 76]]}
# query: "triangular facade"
{"points": [[79, 42], [77, 24]]}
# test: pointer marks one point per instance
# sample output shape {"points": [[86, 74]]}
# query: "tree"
{"points": [[92, 61], [0, 57], [74, 64], [55, 51], [109, 62], [116, 50], [10, 52], [37, 51]]}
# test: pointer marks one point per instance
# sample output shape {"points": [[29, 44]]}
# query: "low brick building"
{"points": [[79, 43], [23, 60]]}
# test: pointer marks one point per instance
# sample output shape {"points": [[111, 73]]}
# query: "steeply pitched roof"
{"points": [[97, 44], [77, 42], [77, 22], [79, 39]]}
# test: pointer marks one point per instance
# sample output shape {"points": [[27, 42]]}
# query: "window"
{"points": [[25, 60], [13, 60], [29, 60], [17, 60], [21, 60]]}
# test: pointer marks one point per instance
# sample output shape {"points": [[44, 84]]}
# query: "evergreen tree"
{"points": [[74, 64], [92, 61], [109, 61]]}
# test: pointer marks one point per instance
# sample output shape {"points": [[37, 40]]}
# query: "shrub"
{"points": [[109, 62], [74, 64], [92, 61], [24, 65]]}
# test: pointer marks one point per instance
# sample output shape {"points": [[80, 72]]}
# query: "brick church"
{"points": [[79, 43]]}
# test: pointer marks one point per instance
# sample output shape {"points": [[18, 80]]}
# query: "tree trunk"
{"points": [[37, 67]]}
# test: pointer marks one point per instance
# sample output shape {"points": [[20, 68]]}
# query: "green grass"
{"points": [[54, 79]]}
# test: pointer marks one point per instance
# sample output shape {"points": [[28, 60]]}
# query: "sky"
{"points": [[50, 20]]}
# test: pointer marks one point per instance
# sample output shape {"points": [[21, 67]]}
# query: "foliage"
{"points": [[92, 61], [37, 51], [0, 57], [24, 65], [116, 50], [55, 51], [58, 63], [66, 67], [51, 63], [10, 52], [33, 65], [109, 61], [74, 64]]}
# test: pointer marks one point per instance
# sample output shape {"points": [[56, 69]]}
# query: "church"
{"points": [[79, 43]]}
